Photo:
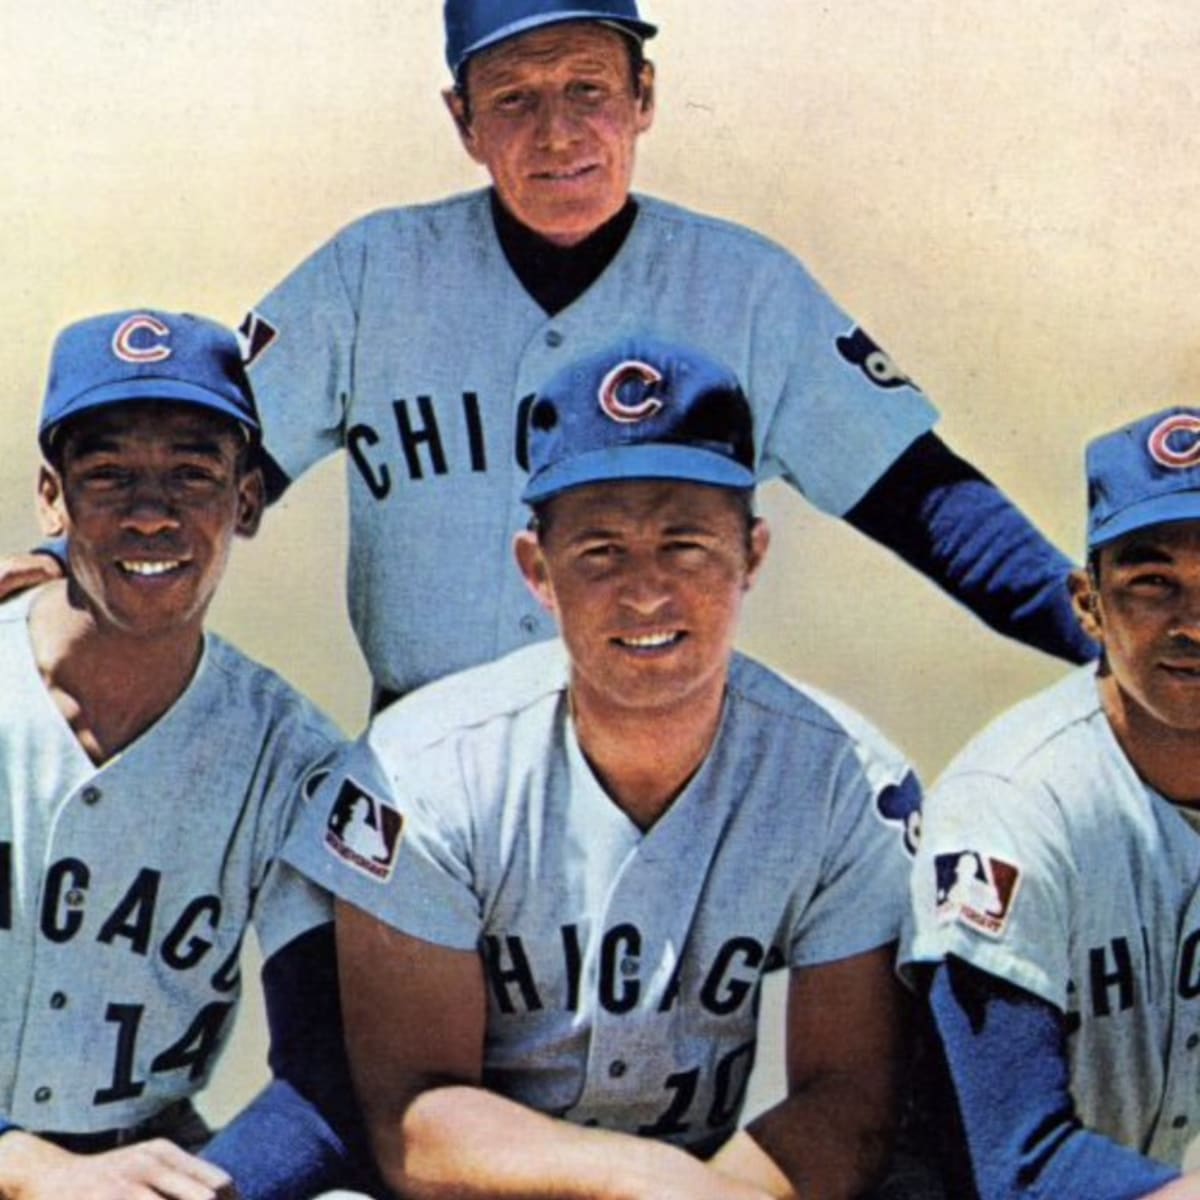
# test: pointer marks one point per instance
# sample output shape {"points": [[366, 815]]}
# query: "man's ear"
{"points": [[646, 97], [251, 500], [52, 506], [532, 565], [1085, 599], [457, 108], [760, 539]]}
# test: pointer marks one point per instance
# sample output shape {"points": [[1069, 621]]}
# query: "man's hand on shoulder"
{"points": [[21, 571], [1187, 1188], [32, 1168]]}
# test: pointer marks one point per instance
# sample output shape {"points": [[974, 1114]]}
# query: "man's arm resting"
{"points": [[302, 1134], [415, 1018], [32, 1168], [954, 525], [19, 572], [1027, 1140], [846, 1047]]}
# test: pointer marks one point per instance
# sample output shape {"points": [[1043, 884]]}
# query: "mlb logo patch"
{"points": [[364, 831], [255, 334], [976, 890]]}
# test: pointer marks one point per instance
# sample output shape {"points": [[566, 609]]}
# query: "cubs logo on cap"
{"points": [[1145, 473], [475, 25], [141, 355], [642, 409]]}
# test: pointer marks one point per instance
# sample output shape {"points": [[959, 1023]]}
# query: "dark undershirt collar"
{"points": [[556, 276]]}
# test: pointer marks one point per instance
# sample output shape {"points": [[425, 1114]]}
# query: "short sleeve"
{"points": [[388, 844], [299, 348], [859, 901], [846, 411], [992, 884]]}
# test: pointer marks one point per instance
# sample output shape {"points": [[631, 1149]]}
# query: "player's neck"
{"points": [[644, 760], [1167, 759], [110, 686]]}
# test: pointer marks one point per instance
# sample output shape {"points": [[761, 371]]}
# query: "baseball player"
{"points": [[414, 339], [594, 849], [148, 776], [1056, 918]]}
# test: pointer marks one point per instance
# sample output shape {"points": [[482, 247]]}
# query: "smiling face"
{"points": [[150, 497], [1143, 606], [554, 117], [646, 581]]}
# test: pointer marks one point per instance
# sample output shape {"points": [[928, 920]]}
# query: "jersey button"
{"points": [[617, 1068], [90, 795], [1193, 1041], [58, 1000], [74, 898], [42, 1095], [528, 624], [1179, 1122], [629, 966], [554, 339]]}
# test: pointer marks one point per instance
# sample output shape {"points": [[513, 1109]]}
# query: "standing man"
{"points": [[589, 853], [414, 339], [1057, 921], [148, 777]]}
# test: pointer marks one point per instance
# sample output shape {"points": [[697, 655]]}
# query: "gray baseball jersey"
{"points": [[126, 889], [622, 967], [1047, 862], [408, 340]]}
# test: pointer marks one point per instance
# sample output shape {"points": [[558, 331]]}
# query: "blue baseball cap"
{"points": [[1146, 473], [474, 25], [146, 354], [642, 409]]}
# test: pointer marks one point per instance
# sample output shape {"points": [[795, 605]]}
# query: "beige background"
{"points": [[1004, 194]]}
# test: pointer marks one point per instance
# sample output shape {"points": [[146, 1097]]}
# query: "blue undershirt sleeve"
{"points": [[940, 515], [55, 548], [301, 1135], [1006, 1061]]}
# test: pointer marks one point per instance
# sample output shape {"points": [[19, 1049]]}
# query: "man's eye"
{"points": [[510, 102], [588, 92]]}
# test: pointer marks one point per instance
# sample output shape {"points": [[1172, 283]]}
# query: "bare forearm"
{"points": [[828, 1141], [458, 1143]]}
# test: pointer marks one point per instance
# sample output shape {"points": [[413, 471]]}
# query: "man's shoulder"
{"points": [[1052, 732], [472, 699], [712, 231], [255, 700], [443, 217], [803, 712]]}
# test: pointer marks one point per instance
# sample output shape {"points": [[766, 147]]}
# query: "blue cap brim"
{"points": [[616, 464], [174, 391], [640, 29], [1162, 510]]}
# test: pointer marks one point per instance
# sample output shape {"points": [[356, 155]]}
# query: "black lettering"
{"points": [[1102, 978], [197, 947], [426, 433], [133, 918], [620, 942], [519, 973], [573, 960], [229, 974], [1189, 976], [198, 1044], [671, 1123], [521, 433], [729, 1085], [474, 431], [6, 885], [73, 876], [723, 996], [127, 1018], [379, 483]]}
